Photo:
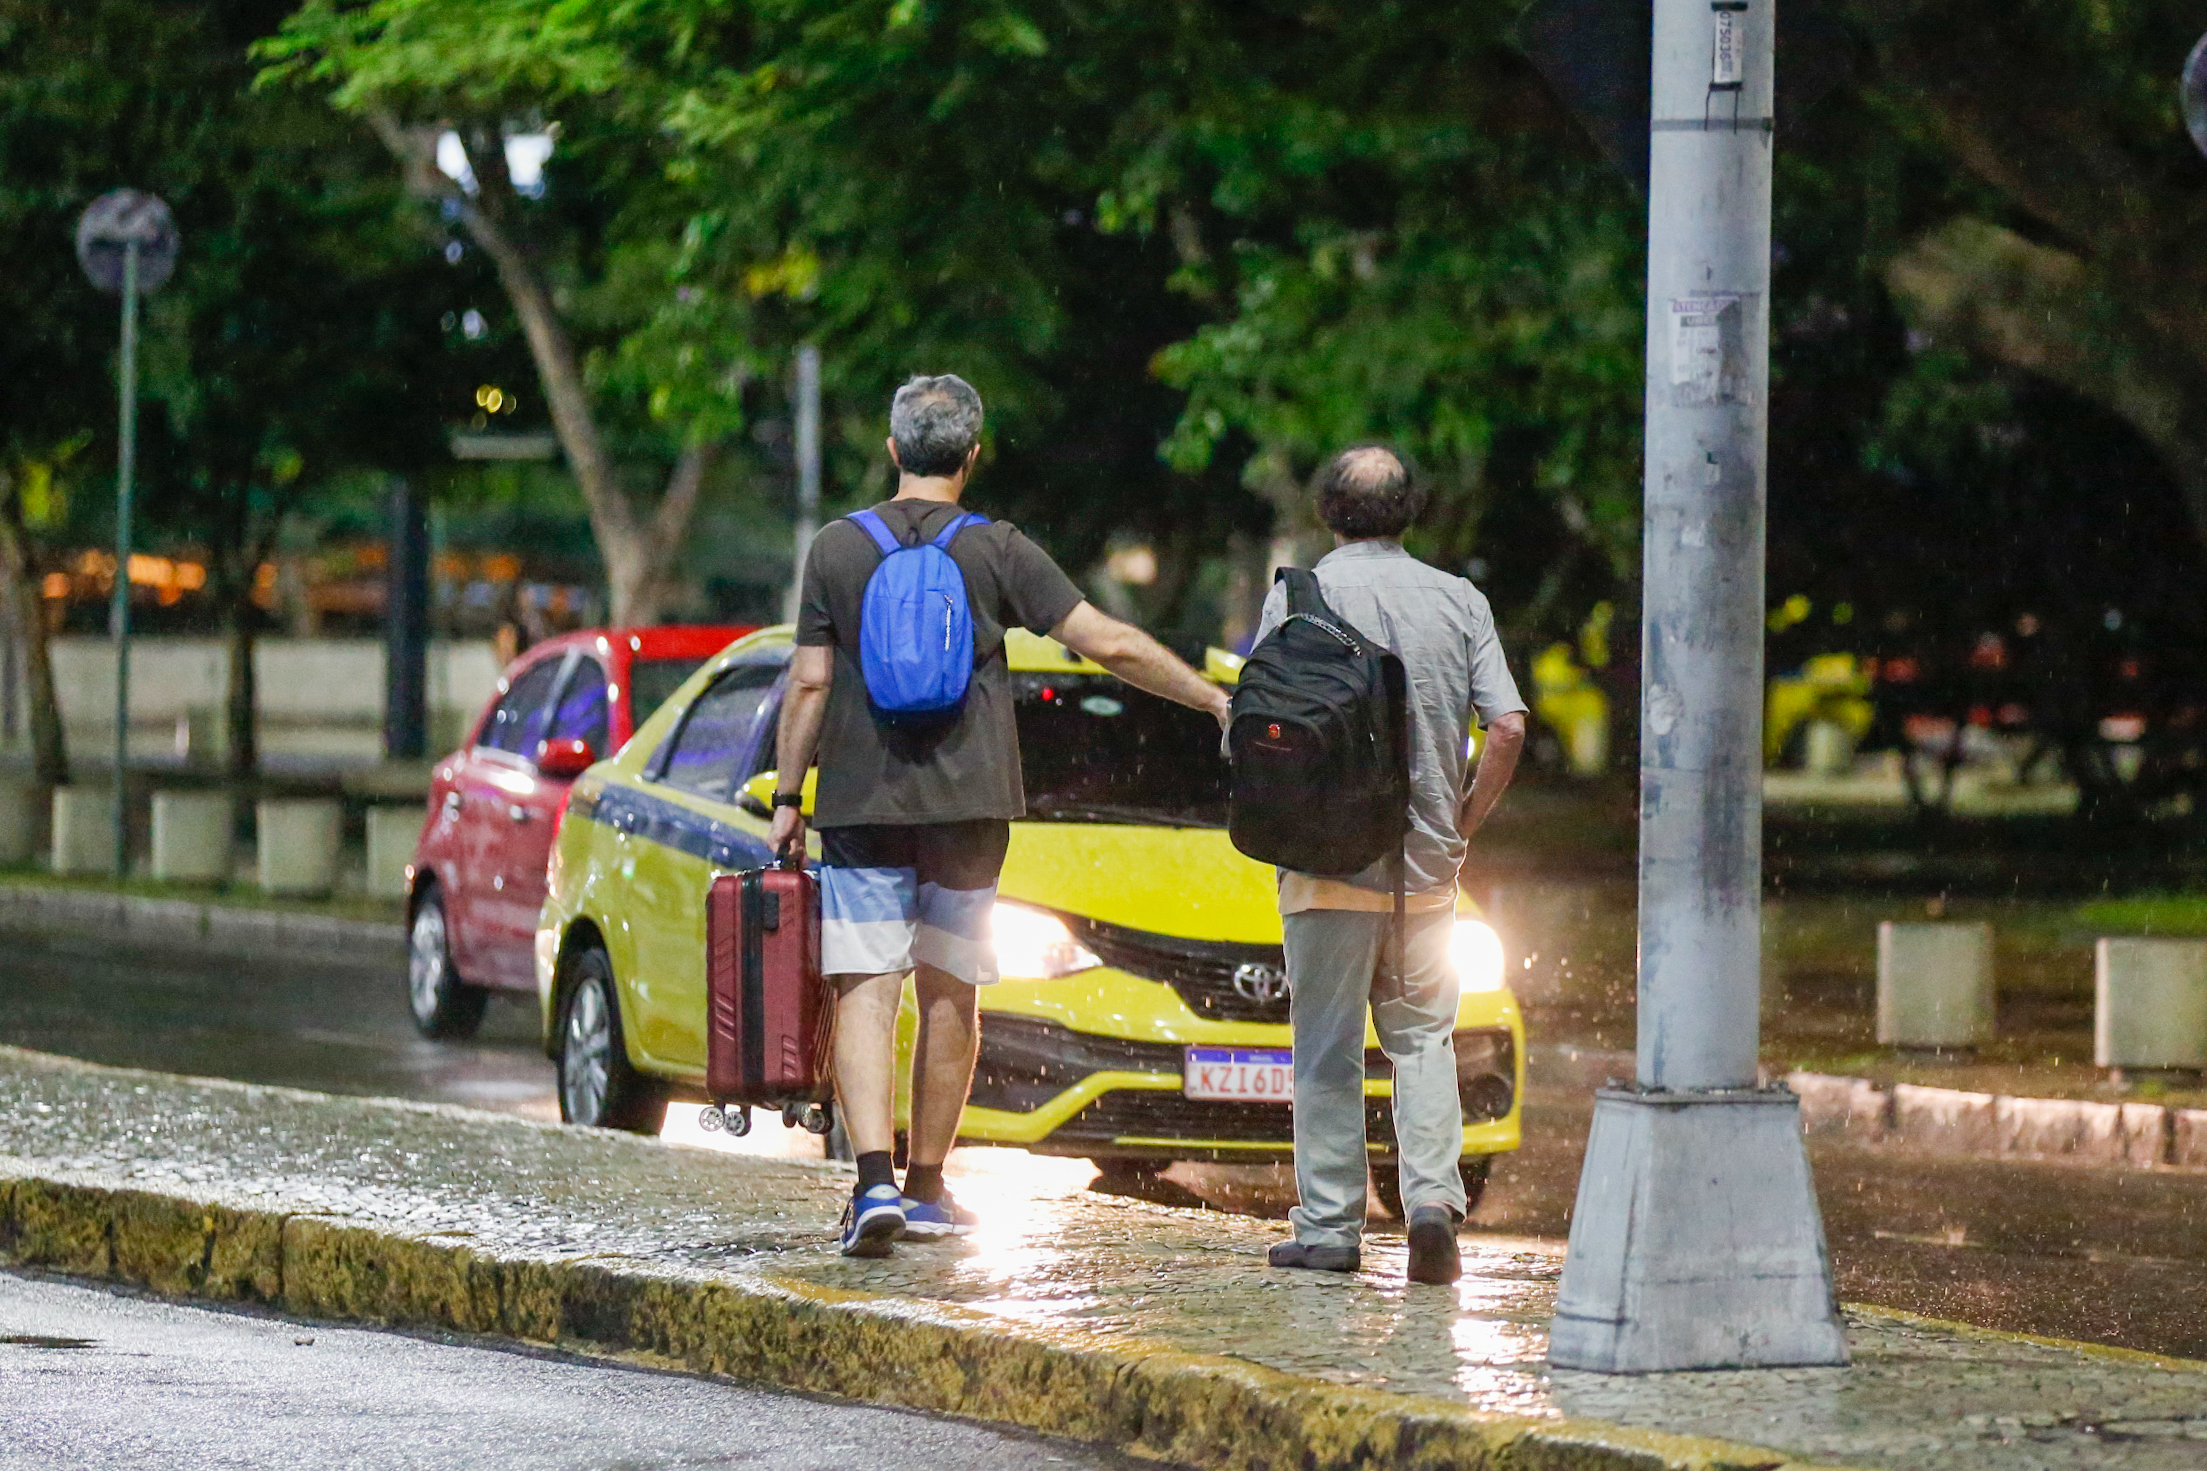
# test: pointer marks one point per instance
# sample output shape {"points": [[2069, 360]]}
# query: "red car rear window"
{"points": [[650, 681]]}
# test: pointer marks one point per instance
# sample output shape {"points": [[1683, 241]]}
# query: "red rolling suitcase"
{"points": [[770, 1021]]}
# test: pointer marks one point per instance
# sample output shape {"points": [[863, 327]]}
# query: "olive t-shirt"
{"points": [[951, 769]]}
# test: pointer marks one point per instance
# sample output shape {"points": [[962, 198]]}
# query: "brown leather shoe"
{"points": [[1433, 1254], [1314, 1258]]}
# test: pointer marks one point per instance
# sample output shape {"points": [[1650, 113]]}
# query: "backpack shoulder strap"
{"points": [[1303, 595], [876, 529], [948, 534]]}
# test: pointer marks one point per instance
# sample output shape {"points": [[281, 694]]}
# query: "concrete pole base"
{"points": [[1697, 1242]]}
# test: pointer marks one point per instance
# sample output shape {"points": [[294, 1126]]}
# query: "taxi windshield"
{"points": [[1096, 750]]}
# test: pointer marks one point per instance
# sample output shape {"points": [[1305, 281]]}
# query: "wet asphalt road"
{"points": [[93, 1378], [2067, 1251]]}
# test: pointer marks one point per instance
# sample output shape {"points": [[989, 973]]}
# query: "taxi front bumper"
{"points": [[1055, 1090]]}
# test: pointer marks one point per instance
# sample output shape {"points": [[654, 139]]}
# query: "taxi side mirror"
{"points": [[564, 759], [757, 797]]}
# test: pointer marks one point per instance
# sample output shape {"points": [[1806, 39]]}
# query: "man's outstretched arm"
{"points": [[1137, 658]]}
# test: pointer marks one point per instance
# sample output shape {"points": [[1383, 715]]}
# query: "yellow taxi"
{"points": [[1142, 1015]]}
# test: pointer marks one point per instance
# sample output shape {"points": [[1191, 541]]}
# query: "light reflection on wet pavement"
{"points": [[1919, 1398], [2118, 1256]]}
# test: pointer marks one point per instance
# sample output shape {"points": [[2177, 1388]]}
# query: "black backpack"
{"points": [[1320, 745]]}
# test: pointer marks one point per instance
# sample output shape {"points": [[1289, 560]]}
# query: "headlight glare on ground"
{"points": [[1476, 951], [1031, 945]]}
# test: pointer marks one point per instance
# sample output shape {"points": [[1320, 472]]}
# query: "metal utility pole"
{"points": [[126, 242], [1697, 1242], [406, 629], [808, 470]]}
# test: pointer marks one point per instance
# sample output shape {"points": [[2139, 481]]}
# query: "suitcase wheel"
{"points": [[713, 1118], [816, 1118]]}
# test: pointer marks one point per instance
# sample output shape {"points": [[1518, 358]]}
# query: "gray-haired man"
{"points": [[1336, 929], [914, 823]]}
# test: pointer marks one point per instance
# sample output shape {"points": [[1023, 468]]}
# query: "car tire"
{"points": [[598, 1088], [1472, 1169], [442, 1005]]}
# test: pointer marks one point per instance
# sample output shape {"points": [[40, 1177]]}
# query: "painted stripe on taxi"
{"points": [[671, 825]]}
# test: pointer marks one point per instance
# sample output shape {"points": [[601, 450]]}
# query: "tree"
{"points": [[2082, 264], [632, 383], [297, 339]]}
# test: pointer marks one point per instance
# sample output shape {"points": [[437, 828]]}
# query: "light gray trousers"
{"points": [[1334, 969]]}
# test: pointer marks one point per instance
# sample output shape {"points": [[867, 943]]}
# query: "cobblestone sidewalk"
{"points": [[1920, 1396]]}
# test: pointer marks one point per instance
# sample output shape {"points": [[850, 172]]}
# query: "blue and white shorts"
{"points": [[893, 896]]}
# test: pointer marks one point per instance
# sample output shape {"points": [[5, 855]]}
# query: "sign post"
{"points": [[1697, 1243], [127, 243]]}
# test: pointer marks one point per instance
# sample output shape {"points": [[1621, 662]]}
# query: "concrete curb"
{"points": [[198, 925], [1951, 1121], [1200, 1410]]}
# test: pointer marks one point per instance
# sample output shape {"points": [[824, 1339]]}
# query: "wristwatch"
{"points": [[789, 799]]}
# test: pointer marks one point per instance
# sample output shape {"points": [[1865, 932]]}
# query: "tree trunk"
{"points": [[244, 762], [2043, 310], [639, 556], [19, 574]]}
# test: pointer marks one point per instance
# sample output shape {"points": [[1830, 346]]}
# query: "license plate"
{"points": [[1244, 1074]]}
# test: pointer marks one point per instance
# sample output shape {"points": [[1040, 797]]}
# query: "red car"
{"points": [[477, 879]]}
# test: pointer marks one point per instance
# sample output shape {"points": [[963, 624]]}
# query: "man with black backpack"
{"points": [[1349, 745], [899, 684]]}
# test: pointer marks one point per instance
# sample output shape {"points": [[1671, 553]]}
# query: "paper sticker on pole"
{"points": [[108, 226]]}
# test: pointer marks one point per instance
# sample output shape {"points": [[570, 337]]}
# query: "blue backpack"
{"points": [[915, 628]]}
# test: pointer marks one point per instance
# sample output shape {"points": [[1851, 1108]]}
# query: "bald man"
{"points": [[1337, 929]]}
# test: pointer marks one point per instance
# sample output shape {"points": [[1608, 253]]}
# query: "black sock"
{"points": [[874, 1169], [924, 1183]]}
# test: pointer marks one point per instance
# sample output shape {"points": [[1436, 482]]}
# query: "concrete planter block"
{"points": [[1830, 748], [392, 834], [298, 846], [191, 837], [84, 829], [1934, 985], [1945, 1120], [2152, 1004], [19, 821]]}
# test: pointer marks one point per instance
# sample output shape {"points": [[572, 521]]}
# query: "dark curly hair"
{"points": [[1367, 491]]}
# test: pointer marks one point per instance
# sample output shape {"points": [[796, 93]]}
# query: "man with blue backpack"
{"points": [[899, 686]]}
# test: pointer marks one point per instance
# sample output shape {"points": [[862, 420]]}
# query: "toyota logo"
{"points": [[1262, 984]]}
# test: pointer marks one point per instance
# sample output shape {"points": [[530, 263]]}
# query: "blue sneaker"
{"points": [[872, 1221], [932, 1221]]}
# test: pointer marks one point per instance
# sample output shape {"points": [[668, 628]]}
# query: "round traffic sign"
{"points": [[2192, 91], [108, 225]]}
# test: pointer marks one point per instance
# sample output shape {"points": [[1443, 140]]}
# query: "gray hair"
{"points": [[935, 422], [1367, 491]]}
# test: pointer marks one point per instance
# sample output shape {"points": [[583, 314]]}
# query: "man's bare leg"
{"points": [[942, 1062], [866, 1057]]}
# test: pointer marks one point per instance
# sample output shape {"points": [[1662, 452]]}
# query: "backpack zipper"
{"points": [[1317, 622]]}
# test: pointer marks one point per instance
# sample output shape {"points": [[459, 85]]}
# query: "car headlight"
{"points": [[1476, 951], [1031, 945]]}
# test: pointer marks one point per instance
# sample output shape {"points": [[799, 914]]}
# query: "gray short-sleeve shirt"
{"points": [[1443, 631]]}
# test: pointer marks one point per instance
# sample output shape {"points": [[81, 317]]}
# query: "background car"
{"points": [[1142, 1017], [477, 879]]}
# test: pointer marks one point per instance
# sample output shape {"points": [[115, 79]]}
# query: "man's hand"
{"points": [[1497, 764], [787, 835], [1138, 659]]}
